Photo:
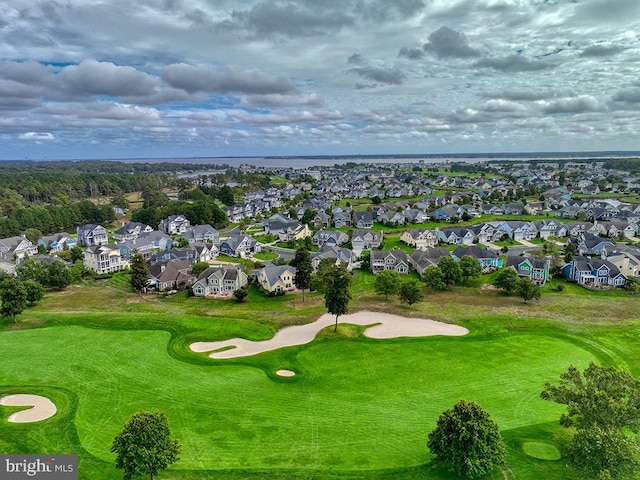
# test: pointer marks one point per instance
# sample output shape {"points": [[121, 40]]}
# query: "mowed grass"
{"points": [[357, 408]]}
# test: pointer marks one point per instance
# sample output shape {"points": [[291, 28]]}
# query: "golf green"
{"points": [[355, 404]]}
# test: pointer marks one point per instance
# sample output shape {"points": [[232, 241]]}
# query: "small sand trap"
{"points": [[285, 373], [383, 325], [42, 408]]}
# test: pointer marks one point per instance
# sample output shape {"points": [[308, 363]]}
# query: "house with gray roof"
{"points": [[220, 279], [276, 278], [16, 248], [396, 260], [92, 234], [535, 269]]}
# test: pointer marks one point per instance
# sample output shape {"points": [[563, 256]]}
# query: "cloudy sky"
{"points": [[183, 78]]}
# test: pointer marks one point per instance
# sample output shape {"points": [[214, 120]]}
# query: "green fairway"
{"points": [[357, 407]]}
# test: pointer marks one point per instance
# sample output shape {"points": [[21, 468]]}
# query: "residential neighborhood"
{"points": [[393, 218]]}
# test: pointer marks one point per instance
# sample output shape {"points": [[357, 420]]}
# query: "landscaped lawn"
{"points": [[357, 408]]}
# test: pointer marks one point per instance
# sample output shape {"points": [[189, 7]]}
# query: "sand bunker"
{"points": [[285, 373], [42, 408], [384, 325]]}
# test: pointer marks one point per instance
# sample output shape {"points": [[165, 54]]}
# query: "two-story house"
{"points": [[91, 234], [218, 280], [104, 259], [174, 225], [536, 269], [362, 239], [277, 278], [394, 259]]}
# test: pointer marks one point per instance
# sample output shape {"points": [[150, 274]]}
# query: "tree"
{"points": [[225, 195], [527, 290], [470, 267], [468, 440], [139, 272], [603, 404], [387, 283], [240, 294], [35, 291], [77, 253], [599, 453], [302, 264], [198, 267], [58, 276], [410, 291], [507, 280], [337, 295], [451, 272], [13, 296], [33, 235], [433, 277], [145, 446], [600, 396]]}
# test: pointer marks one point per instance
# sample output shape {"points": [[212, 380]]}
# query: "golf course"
{"points": [[352, 406]]}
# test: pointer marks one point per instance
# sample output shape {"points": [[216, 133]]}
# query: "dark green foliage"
{"points": [[527, 290], [13, 296], [48, 274], [199, 212], [33, 235], [139, 272], [601, 396], [451, 272], [387, 283], [598, 453], [144, 446], [603, 404], [468, 440], [410, 291], [35, 291], [302, 263], [225, 195], [337, 295], [198, 267], [433, 277], [507, 280], [470, 267], [240, 294]]}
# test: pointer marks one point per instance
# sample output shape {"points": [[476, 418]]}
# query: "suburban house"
{"points": [[342, 219], [487, 258], [362, 219], [171, 275], [174, 225], [202, 233], [456, 236], [395, 259], [551, 228], [628, 262], [146, 244], [277, 279], [131, 231], [57, 242], [16, 248], [330, 238], [593, 272], [536, 269], [362, 239], [238, 245], [104, 259], [421, 259], [419, 238], [335, 255], [322, 220], [590, 244], [219, 279], [92, 234]]}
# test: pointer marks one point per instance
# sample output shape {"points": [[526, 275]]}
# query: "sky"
{"points": [[215, 78]]}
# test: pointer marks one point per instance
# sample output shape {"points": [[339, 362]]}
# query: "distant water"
{"points": [[327, 161]]}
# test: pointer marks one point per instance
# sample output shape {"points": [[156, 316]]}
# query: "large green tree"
{"points": [[470, 267], [13, 296], [507, 280], [527, 290], [302, 264], [139, 272], [451, 272], [603, 405], [337, 295], [433, 277], [144, 446], [387, 283], [468, 440], [410, 291]]}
